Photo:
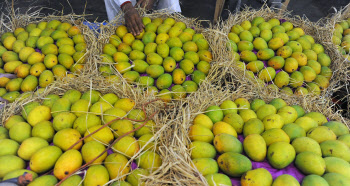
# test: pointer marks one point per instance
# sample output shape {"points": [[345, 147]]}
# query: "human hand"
{"points": [[147, 4], [132, 19]]}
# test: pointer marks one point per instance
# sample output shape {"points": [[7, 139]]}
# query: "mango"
{"points": [[273, 121], [4, 133], [256, 104], [10, 56], [63, 120], [334, 179], [31, 41], [60, 105], [68, 162], [117, 166], [14, 84], [67, 137], [248, 56], [259, 175], [16, 46], [234, 164], [275, 43], [218, 179], [247, 114], [275, 135], [96, 175], [91, 150], [44, 180], [127, 145], [322, 82], [9, 163], [200, 133], [235, 121], [323, 59], [318, 117], [8, 42], [35, 57], [8, 147], [337, 165], [266, 34], [293, 131], [345, 139], [38, 114], [44, 159], [104, 135], [255, 147], [44, 130], [149, 160], [267, 74], [305, 144], [31, 146], [276, 62], [20, 172], [206, 165], [281, 79], [73, 180], [255, 66], [20, 131], [46, 77], [253, 126], [314, 180], [334, 148], [285, 179], [280, 154], [296, 79], [198, 77], [310, 163], [37, 69], [265, 110], [254, 30], [202, 150], [306, 123], [135, 177], [321, 134], [326, 72], [227, 143], [247, 45], [172, 42]]}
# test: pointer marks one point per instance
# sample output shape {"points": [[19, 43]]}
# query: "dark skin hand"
{"points": [[132, 19]]}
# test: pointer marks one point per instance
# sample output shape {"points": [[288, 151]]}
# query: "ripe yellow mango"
{"points": [[68, 162]]}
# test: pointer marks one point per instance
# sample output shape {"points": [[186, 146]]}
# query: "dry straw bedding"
{"points": [[12, 19], [162, 112], [179, 156], [105, 31], [330, 22], [230, 72]]}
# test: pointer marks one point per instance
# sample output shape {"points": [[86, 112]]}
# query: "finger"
{"points": [[139, 24], [130, 27], [135, 26]]}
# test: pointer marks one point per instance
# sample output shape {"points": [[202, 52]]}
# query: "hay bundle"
{"points": [[105, 31], [181, 171], [229, 70], [154, 109], [343, 94], [12, 19]]}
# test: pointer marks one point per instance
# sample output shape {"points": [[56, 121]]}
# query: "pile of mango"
{"points": [[42, 137], [229, 137], [341, 37], [38, 54], [281, 54], [166, 56]]}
